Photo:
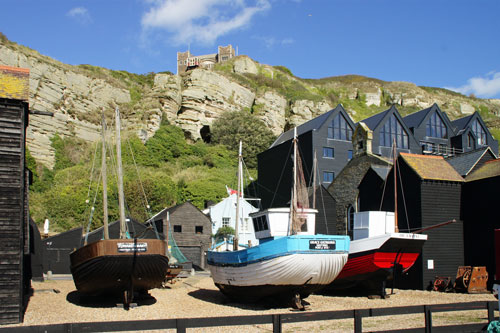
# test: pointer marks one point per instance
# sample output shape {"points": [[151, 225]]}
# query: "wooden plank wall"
{"points": [[12, 209], [445, 245]]}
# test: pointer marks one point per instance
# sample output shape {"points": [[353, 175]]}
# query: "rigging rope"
{"points": [[92, 171]]}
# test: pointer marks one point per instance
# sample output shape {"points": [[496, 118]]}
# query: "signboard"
{"points": [[131, 247], [322, 244]]}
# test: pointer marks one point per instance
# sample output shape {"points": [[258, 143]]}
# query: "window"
{"points": [[328, 176], [339, 129], [349, 155], [393, 130], [226, 221], [470, 140], [260, 223], [478, 130], [328, 152], [177, 228], [350, 220], [198, 229], [244, 227], [435, 127]]}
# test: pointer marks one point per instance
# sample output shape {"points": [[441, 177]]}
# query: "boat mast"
{"points": [[121, 199], [396, 229], [239, 190], [315, 167], [104, 180], [293, 202]]}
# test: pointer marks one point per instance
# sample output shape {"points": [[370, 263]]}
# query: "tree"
{"points": [[234, 126], [224, 232]]}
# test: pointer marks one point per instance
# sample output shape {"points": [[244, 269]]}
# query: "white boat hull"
{"points": [[293, 269]]}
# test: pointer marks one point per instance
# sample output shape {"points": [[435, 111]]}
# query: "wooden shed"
{"points": [[430, 195], [192, 231], [57, 249], [480, 199], [14, 217]]}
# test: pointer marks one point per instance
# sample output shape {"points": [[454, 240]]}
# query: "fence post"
{"points": [[491, 311], [358, 321], [180, 325], [428, 318], [276, 323]]}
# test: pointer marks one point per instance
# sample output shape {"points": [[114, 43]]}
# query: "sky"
{"points": [[439, 43]]}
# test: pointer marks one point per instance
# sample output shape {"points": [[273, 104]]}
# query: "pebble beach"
{"points": [[57, 301]]}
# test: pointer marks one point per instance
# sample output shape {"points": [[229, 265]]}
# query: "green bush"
{"points": [[232, 127]]}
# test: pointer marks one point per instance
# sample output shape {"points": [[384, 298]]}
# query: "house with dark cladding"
{"points": [[344, 188], [327, 136], [480, 199], [472, 133], [388, 126], [433, 130], [470, 161], [429, 193]]}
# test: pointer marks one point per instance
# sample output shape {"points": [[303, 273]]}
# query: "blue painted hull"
{"points": [[281, 268]]}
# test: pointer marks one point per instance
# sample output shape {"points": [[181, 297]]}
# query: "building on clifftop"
{"points": [[187, 61]]}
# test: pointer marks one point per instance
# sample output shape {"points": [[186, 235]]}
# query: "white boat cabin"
{"points": [[373, 223], [275, 222]]}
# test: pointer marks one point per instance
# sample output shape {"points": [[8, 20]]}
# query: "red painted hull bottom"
{"points": [[372, 262], [369, 270]]}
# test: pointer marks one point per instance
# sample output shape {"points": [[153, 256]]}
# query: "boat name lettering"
{"points": [[322, 245], [131, 247]]}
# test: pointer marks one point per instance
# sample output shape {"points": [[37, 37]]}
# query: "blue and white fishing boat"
{"points": [[290, 262]]}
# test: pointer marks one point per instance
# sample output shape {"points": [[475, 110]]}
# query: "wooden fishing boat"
{"points": [[290, 261], [376, 252], [121, 265]]}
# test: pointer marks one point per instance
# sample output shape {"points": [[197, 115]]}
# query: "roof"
{"points": [[14, 82], [487, 170], [431, 167], [460, 123], [415, 119], [310, 125], [373, 121], [465, 162]]}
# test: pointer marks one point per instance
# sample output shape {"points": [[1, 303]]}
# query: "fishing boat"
{"points": [[290, 261], [120, 266], [378, 251]]}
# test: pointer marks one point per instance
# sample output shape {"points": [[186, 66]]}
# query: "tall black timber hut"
{"points": [[429, 194], [15, 272], [480, 199]]}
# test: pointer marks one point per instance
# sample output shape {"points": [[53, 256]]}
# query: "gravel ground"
{"points": [[56, 301]]}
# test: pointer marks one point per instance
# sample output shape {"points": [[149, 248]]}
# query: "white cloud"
{"points": [[80, 14], [270, 42], [487, 86], [202, 21]]}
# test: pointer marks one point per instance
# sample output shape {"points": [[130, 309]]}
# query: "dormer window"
{"points": [[435, 127], [339, 129], [479, 131], [393, 130]]}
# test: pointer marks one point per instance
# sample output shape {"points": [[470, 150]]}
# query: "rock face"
{"points": [[76, 95], [65, 93], [205, 96]]}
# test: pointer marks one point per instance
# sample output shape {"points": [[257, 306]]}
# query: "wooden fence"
{"points": [[277, 320]]}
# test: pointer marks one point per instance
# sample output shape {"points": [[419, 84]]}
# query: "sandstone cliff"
{"points": [[77, 94]]}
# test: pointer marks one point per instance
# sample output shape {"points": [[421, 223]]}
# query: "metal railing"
{"points": [[277, 320]]}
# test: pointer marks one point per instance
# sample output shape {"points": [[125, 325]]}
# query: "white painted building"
{"points": [[224, 214]]}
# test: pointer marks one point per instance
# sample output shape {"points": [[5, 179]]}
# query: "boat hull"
{"points": [[372, 260], [117, 265], [280, 268]]}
